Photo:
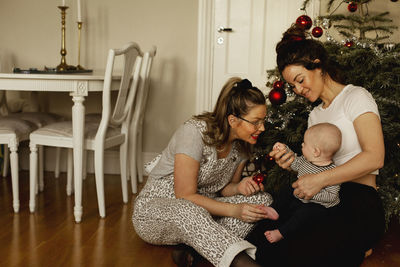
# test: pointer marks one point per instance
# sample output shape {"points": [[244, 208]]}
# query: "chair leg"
{"points": [[14, 176], [69, 172], [99, 174], [41, 169], [58, 158], [33, 173], [123, 158], [6, 161], [133, 162], [84, 164], [139, 157]]}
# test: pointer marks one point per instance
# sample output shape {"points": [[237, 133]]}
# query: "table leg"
{"points": [[78, 126]]}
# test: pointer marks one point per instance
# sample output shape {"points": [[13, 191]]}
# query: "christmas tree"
{"points": [[357, 41]]}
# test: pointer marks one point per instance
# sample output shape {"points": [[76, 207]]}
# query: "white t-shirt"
{"points": [[350, 103]]}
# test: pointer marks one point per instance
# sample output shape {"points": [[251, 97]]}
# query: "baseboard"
{"points": [[111, 160]]}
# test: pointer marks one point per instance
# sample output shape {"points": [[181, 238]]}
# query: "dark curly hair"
{"points": [[298, 48]]}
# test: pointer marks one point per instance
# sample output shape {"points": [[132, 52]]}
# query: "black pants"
{"points": [[301, 216], [340, 239]]}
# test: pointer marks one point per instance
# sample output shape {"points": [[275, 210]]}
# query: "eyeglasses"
{"points": [[256, 124]]}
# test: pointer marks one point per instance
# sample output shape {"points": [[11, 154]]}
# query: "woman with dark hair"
{"points": [[357, 223], [195, 194]]}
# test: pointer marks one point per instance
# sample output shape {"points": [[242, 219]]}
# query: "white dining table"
{"points": [[78, 85]]}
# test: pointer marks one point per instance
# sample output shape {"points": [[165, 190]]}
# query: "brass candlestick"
{"points": [[63, 65], [79, 67]]}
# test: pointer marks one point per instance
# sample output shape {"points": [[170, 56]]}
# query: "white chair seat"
{"points": [[64, 129], [16, 126], [40, 119]]}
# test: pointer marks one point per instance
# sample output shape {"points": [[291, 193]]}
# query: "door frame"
{"points": [[205, 55], [205, 48]]}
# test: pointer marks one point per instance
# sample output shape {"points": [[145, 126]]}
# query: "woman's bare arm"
{"points": [[185, 185], [371, 158]]}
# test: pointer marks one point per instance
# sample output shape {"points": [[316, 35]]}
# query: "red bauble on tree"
{"points": [[277, 96], [317, 32], [278, 84], [352, 7], [349, 44], [259, 178], [304, 22]]}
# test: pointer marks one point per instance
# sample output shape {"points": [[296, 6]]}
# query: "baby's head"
{"points": [[321, 141]]}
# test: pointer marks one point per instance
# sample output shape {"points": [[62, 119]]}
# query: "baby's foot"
{"points": [[273, 236], [271, 213]]}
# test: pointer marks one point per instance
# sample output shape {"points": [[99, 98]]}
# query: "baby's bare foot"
{"points": [[271, 213], [273, 236]]}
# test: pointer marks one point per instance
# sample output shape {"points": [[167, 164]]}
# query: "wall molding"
{"points": [[204, 56]]}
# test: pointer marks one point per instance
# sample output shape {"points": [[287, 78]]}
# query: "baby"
{"points": [[321, 142]]}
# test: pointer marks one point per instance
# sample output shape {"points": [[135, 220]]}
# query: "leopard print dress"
{"points": [[160, 218]]}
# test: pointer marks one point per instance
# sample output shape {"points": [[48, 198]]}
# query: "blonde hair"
{"points": [[237, 97]]}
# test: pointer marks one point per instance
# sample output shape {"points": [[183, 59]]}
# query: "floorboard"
{"points": [[50, 237]]}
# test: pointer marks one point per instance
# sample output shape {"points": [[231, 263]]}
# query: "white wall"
{"points": [[31, 36]]}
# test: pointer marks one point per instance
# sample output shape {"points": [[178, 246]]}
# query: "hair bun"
{"points": [[294, 34], [244, 84]]}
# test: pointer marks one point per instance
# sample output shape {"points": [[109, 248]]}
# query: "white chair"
{"points": [[25, 106], [111, 131], [13, 131], [136, 126], [39, 119]]}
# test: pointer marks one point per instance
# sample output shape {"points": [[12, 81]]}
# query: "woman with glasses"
{"points": [[195, 194]]}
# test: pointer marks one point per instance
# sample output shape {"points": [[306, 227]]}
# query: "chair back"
{"points": [[132, 61], [143, 89]]}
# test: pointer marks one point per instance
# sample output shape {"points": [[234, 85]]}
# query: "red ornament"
{"points": [[269, 158], [277, 96], [349, 44], [317, 32], [259, 178], [352, 7], [278, 84], [304, 22]]}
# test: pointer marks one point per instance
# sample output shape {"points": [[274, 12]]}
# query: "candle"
{"points": [[79, 11], [63, 2]]}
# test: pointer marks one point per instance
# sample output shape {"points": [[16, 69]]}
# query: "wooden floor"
{"points": [[50, 237]]}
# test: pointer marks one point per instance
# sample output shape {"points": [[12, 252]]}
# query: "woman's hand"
{"points": [[249, 187], [282, 157], [250, 212], [308, 185]]}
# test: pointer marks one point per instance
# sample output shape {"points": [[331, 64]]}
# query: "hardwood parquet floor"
{"points": [[50, 237]]}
